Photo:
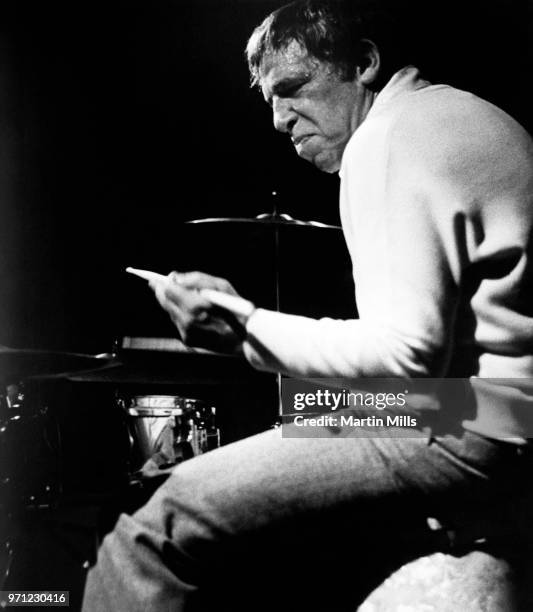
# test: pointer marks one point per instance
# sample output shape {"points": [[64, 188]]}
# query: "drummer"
{"points": [[437, 210]]}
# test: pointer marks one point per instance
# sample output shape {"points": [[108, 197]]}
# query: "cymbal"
{"points": [[19, 364], [266, 219], [140, 366]]}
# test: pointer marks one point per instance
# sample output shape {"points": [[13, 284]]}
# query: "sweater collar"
{"points": [[404, 81]]}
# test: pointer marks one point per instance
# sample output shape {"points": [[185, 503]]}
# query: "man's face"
{"points": [[312, 104]]}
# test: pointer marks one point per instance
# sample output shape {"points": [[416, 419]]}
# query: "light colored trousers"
{"points": [[272, 523]]}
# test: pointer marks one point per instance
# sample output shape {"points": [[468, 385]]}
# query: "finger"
{"points": [[185, 305], [171, 308], [167, 304], [181, 318], [178, 295], [200, 280]]}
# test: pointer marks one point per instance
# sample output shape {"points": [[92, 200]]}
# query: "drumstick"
{"points": [[153, 277], [233, 303]]}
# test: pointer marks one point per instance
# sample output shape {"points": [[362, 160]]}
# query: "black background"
{"points": [[121, 119]]}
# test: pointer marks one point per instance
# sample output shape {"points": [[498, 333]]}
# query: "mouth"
{"points": [[298, 140]]}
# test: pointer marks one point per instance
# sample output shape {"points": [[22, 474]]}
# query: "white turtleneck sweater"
{"points": [[436, 206]]}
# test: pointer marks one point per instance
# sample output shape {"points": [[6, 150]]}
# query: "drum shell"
{"points": [[166, 430]]}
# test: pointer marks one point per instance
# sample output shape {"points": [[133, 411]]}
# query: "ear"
{"points": [[370, 64]]}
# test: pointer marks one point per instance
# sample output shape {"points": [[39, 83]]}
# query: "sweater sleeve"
{"points": [[407, 193]]}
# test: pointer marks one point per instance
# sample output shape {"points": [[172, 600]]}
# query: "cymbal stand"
{"points": [[277, 260]]}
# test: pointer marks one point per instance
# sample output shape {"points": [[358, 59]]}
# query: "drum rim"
{"points": [[172, 401], [144, 411]]}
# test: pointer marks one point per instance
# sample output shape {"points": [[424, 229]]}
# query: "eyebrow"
{"points": [[284, 85]]}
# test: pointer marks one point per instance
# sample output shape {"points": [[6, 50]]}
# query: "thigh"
{"points": [[269, 478]]}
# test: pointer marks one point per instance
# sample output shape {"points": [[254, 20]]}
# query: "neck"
{"points": [[363, 106], [368, 101]]}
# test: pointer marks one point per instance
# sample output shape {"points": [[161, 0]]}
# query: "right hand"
{"points": [[199, 322]]}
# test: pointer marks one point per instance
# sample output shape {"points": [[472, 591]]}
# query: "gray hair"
{"points": [[332, 31]]}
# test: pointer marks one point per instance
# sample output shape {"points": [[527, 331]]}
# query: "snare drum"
{"points": [[165, 430]]}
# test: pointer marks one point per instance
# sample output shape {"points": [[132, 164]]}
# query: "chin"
{"points": [[326, 164]]}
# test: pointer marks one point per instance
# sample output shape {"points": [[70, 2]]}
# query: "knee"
{"points": [[137, 571], [180, 515]]}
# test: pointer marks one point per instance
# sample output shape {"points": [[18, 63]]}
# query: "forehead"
{"points": [[290, 63]]}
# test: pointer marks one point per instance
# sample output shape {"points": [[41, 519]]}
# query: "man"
{"points": [[436, 205]]}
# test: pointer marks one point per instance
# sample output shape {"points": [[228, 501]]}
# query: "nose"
{"points": [[284, 114]]}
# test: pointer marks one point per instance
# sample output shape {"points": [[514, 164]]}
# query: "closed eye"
{"points": [[290, 91], [286, 89]]}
